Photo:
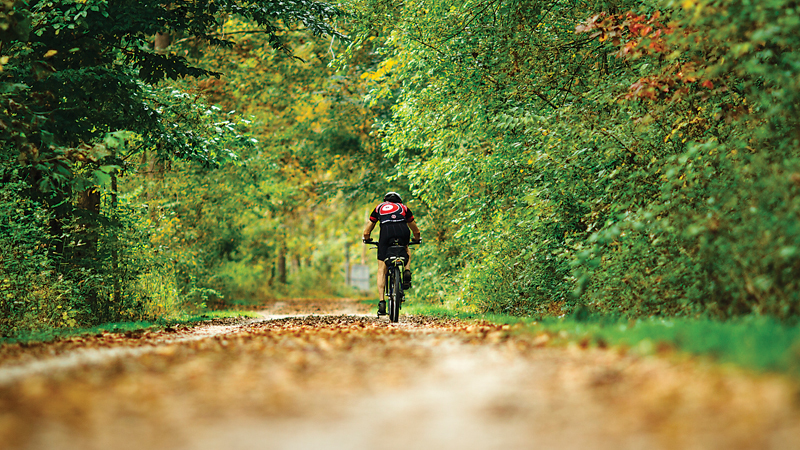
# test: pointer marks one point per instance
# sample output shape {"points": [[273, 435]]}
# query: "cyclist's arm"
{"points": [[414, 229], [368, 230]]}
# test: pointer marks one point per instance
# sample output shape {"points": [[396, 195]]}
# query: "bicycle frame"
{"points": [[393, 287]]}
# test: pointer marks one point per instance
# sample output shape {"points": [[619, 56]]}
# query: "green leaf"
{"points": [[101, 177]]}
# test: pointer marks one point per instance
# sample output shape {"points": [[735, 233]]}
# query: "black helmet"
{"points": [[393, 197]]}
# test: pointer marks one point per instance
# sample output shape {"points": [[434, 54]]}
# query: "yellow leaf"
{"points": [[50, 53]]}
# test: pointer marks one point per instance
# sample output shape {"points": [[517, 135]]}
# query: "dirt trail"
{"points": [[350, 381]]}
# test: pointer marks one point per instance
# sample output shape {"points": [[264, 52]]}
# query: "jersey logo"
{"points": [[389, 208]]}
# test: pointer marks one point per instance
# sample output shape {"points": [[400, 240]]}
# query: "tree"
{"points": [[80, 97]]}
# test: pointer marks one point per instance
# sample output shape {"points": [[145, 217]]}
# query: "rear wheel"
{"points": [[396, 295], [388, 291]]}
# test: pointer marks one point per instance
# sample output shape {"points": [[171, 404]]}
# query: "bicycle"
{"points": [[395, 266]]}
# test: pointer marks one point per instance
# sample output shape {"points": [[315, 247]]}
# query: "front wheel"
{"points": [[396, 296]]}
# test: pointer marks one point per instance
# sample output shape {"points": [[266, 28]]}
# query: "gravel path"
{"points": [[346, 380]]}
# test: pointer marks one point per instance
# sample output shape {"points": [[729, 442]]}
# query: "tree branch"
{"points": [[475, 16]]}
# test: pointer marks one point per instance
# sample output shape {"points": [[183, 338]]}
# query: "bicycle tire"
{"points": [[387, 289], [396, 296]]}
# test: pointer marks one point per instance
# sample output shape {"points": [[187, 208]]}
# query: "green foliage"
{"points": [[30, 283], [275, 223], [719, 237], [631, 158], [80, 108], [482, 129]]}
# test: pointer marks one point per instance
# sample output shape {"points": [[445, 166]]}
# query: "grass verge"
{"points": [[757, 343], [119, 327]]}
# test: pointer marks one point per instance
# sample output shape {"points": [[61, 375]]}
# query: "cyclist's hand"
{"points": [[367, 240], [416, 241]]}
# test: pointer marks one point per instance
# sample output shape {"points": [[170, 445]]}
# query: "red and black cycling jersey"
{"points": [[388, 212]]}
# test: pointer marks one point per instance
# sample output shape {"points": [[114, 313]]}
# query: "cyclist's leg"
{"points": [[407, 271], [381, 279]]}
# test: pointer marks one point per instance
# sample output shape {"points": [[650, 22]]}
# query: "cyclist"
{"points": [[396, 223]]}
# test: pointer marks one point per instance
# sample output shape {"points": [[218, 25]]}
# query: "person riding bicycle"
{"points": [[396, 223]]}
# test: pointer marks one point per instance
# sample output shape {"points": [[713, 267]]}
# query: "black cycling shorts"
{"points": [[389, 233]]}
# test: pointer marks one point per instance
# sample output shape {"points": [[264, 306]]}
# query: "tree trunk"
{"points": [[282, 264], [115, 245], [86, 255], [154, 173]]}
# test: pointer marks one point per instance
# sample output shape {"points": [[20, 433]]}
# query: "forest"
{"points": [[622, 158]]}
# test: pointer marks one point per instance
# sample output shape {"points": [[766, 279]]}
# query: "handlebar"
{"points": [[375, 243]]}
